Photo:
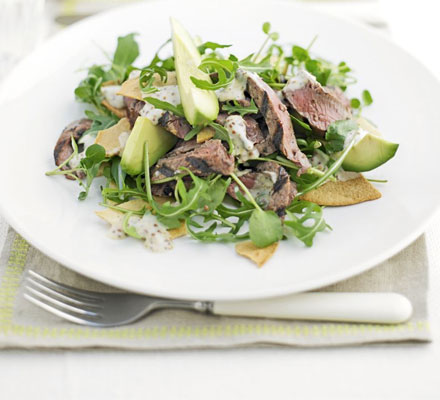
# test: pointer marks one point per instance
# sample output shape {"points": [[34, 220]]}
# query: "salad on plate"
{"points": [[221, 148]]}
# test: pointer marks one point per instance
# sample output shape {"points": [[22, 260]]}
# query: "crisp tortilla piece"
{"points": [[130, 88], [256, 254], [110, 138], [205, 134], [343, 193], [119, 112], [178, 232]]}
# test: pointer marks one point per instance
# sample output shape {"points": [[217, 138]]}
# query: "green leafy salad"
{"points": [[221, 147]]}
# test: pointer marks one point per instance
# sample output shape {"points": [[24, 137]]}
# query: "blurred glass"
{"points": [[21, 27]]}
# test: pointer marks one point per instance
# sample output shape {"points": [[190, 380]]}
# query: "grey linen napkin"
{"points": [[24, 325]]}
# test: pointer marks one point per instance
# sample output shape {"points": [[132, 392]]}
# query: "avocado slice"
{"points": [[200, 106], [159, 142], [370, 152]]}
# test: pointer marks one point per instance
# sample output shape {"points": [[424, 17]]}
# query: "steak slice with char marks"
{"points": [[318, 104], [174, 124], [278, 121], [254, 133], [134, 108], [178, 126], [202, 159], [63, 148], [270, 185]]}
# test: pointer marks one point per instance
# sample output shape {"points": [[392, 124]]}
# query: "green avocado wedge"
{"points": [[200, 106], [159, 142], [370, 152]]}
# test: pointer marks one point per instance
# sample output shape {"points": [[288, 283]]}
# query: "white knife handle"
{"points": [[383, 308]]}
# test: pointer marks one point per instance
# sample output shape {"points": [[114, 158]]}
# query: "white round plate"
{"points": [[46, 212]]}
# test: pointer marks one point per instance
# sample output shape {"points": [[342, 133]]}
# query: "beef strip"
{"points": [[203, 160], [274, 112], [166, 189], [134, 107], [271, 186], [318, 104], [255, 132], [63, 148], [178, 126], [337, 92]]}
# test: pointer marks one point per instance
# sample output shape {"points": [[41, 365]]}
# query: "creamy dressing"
{"points": [[262, 189], [87, 141], [319, 160], [116, 231], [300, 80], [109, 93], [170, 94], [344, 176], [357, 135], [272, 175], [244, 149], [156, 237], [235, 90]]}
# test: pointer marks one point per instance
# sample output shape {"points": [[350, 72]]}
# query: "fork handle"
{"points": [[383, 308]]}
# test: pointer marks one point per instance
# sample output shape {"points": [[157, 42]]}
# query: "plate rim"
{"points": [[289, 288]]}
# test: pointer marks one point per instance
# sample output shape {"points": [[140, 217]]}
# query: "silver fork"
{"points": [[94, 308], [113, 309]]}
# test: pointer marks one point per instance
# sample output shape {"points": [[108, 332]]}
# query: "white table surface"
{"points": [[398, 371]]}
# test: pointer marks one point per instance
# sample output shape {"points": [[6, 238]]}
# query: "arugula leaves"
{"points": [[89, 89], [265, 228], [164, 105], [305, 220], [357, 104], [236, 107], [224, 69], [127, 51], [222, 133], [89, 165], [211, 46], [337, 133], [100, 122]]}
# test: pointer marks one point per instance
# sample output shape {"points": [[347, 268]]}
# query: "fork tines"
{"points": [[73, 304]]}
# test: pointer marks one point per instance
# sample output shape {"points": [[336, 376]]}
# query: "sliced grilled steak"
{"points": [[270, 185], [253, 133], [203, 160], [319, 105], [178, 126], [166, 189], [336, 91], [134, 108], [278, 121], [63, 148]]}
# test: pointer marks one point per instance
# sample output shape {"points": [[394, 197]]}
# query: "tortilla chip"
{"points": [[109, 138], [343, 193], [205, 134], [119, 112], [178, 232], [109, 83], [130, 88], [256, 254]]}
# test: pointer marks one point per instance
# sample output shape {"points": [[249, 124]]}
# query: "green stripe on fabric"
{"points": [[10, 284]]}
